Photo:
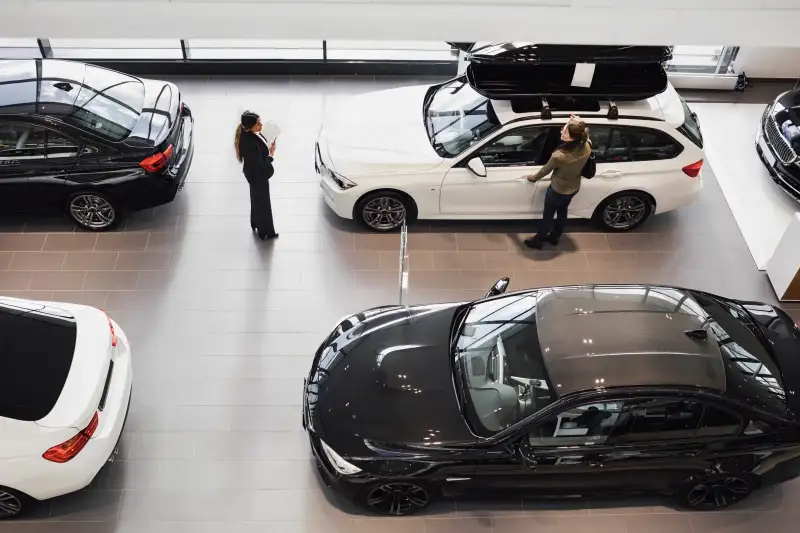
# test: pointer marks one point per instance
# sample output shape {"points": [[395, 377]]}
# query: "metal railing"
{"points": [[402, 281]]}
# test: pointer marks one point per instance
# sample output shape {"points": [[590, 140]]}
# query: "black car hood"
{"points": [[783, 337], [786, 112], [388, 380]]}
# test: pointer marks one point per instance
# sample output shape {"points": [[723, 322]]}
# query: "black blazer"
{"points": [[257, 166]]}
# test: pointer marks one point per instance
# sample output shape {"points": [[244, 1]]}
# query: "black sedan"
{"points": [[89, 142], [778, 141], [561, 391]]}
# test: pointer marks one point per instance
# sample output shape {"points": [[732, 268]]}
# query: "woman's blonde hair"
{"points": [[578, 130]]}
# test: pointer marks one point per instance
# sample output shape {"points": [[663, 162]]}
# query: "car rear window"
{"points": [[36, 353], [691, 126], [109, 104]]}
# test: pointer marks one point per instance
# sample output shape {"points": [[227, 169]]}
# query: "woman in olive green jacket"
{"points": [[566, 164]]}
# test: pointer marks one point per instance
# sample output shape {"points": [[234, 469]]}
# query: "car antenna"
{"points": [[697, 334]]}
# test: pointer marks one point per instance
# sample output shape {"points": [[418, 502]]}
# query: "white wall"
{"points": [[769, 61], [700, 22]]}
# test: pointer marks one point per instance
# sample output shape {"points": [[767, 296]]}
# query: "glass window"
{"points": [[22, 141], [499, 366], [651, 145], [254, 49], [108, 104], [657, 420], [608, 145], [391, 51], [589, 424], [717, 422], [520, 147], [59, 146], [691, 126], [696, 59], [457, 117], [116, 48], [20, 49]]}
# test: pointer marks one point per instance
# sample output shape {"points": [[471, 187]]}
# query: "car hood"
{"points": [[381, 132], [388, 381], [786, 112], [783, 337]]}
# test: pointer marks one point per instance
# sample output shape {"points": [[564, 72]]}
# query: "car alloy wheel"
{"points": [[625, 212], [384, 213], [92, 211], [9, 504], [397, 499], [718, 492]]}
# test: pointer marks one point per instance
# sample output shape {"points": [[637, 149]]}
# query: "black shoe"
{"points": [[552, 240], [267, 237], [534, 242]]}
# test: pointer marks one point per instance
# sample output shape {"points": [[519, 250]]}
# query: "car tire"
{"points": [[397, 498], [12, 503], [717, 491], [94, 211], [624, 211], [385, 211]]}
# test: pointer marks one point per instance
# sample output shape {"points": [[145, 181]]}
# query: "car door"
{"points": [[502, 192], [643, 444], [611, 156], [34, 163]]}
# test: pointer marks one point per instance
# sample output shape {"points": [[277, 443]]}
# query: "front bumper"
{"points": [[788, 179], [341, 202]]}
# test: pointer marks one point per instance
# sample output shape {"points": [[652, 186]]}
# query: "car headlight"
{"points": [[340, 181], [339, 464]]}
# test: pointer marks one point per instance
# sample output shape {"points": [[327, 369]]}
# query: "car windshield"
{"points": [[499, 364], [457, 117], [109, 104]]}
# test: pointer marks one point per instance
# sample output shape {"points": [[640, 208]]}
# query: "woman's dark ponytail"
{"points": [[236, 138]]}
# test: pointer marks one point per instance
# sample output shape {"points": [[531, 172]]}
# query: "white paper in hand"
{"points": [[583, 75], [270, 131]]}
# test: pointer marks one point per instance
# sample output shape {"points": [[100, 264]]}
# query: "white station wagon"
{"points": [[450, 152]]}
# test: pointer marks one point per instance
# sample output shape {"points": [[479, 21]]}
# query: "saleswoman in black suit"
{"points": [[255, 153]]}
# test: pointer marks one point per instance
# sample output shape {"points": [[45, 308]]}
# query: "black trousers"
{"points": [[261, 209], [555, 205]]}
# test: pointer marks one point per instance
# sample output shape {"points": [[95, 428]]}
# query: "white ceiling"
{"points": [[736, 22]]}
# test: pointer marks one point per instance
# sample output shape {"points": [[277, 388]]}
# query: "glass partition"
{"points": [[146, 49], [391, 51], [19, 49], [254, 49]]}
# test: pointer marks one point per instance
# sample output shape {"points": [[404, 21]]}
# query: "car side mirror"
{"points": [[499, 287], [476, 166]]}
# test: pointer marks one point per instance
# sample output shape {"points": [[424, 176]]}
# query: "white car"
{"points": [[65, 389], [447, 152]]}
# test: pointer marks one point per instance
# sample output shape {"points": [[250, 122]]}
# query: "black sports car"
{"points": [[560, 391], [89, 142], [778, 141]]}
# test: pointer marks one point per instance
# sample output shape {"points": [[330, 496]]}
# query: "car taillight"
{"points": [[156, 162], [113, 333], [69, 449], [693, 170]]}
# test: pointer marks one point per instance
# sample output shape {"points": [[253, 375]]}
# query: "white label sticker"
{"points": [[583, 75]]}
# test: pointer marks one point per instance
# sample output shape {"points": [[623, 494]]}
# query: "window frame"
{"points": [[48, 130], [680, 147]]}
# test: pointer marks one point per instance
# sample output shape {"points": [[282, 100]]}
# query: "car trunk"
{"points": [[159, 124], [85, 387]]}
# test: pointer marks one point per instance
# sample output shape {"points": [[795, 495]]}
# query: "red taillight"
{"points": [[693, 170], [69, 449], [156, 162], [113, 333]]}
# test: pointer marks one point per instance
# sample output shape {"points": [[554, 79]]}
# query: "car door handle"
{"points": [[611, 174]]}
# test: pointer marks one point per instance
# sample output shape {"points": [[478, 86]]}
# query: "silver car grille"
{"points": [[783, 150]]}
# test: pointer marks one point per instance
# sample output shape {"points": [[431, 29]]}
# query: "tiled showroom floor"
{"points": [[223, 328]]}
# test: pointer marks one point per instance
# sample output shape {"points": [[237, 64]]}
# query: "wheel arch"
{"points": [[650, 197], [412, 203]]}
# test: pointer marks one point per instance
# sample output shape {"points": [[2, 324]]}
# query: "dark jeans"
{"points": [[555, 205], [261, 209]]}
